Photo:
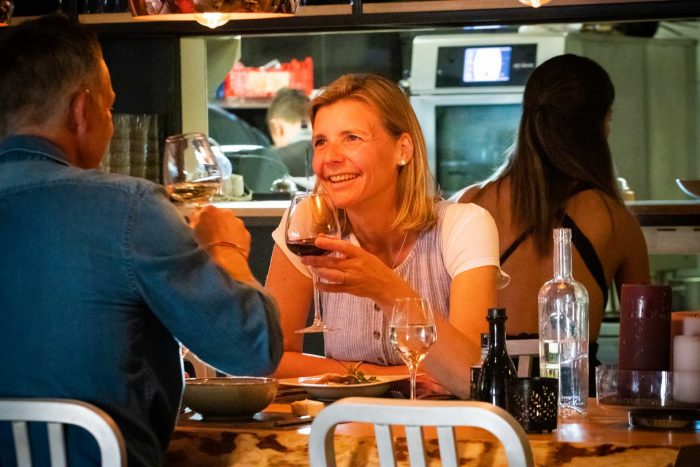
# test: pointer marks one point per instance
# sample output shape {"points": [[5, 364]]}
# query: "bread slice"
{"points": [[307, 407]]}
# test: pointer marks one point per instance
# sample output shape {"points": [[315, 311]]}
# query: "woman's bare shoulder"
{"points": [[595, 203], [600, 215], [467, 194], [482, 193]]}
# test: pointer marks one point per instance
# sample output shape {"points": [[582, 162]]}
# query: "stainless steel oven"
{"points": [[467, 92]]}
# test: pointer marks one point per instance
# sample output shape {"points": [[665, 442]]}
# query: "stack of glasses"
{"points": [[135, 146]]}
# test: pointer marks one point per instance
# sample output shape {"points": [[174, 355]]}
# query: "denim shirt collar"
{"points": [[24, 147]]}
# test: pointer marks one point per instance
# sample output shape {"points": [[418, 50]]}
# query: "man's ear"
{"points": [[78, 112], [276, 128]]}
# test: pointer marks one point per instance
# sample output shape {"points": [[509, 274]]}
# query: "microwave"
{"points": [[467, 90]]}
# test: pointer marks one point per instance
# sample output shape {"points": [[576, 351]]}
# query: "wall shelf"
{"points": [[374, 15]]}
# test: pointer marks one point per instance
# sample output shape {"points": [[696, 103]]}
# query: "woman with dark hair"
{"points": [[560, 174]]}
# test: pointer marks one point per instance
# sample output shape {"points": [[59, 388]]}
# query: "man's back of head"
{"points": [[288, 114], [44, 61]]}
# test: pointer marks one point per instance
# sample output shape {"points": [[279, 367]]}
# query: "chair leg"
{"points": [[524, 366]]}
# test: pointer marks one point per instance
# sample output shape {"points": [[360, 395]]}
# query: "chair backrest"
{"points": [[414, 415], [201, 369], [56, 413], [259, 171], [524, 351]]}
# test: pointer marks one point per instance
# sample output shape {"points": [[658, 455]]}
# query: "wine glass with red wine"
{"points": [[311, 215]]}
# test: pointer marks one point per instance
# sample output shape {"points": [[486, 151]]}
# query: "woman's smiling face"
{"points": [[355, 157]]}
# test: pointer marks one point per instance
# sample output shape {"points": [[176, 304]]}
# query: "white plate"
{"points": [[330, 392]]}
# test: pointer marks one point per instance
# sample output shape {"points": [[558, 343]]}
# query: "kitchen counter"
{"points": [[669, 226], [654, 211], [256, 208], [666, 212]]}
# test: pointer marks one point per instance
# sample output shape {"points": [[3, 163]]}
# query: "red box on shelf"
{"points": [[260, 83]]}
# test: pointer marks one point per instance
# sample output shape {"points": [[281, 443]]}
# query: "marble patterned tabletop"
{"points": [[603, 439]]}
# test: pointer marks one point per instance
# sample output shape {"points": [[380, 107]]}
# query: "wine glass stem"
{"points": [[413, 371], [317, 301]]}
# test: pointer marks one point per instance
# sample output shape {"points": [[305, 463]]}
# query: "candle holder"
{"points": [[534, 403], [651, 398]]}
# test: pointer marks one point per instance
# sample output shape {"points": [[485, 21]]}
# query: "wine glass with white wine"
{"points": [[412, 333], [191, 172]]}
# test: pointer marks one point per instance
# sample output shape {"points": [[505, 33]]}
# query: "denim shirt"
{"points": [[100, 278]]}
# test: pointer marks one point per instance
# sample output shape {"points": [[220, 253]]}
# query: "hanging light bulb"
{"points": [[212, 20], [534, 3], [210, 13], [6, 7]]}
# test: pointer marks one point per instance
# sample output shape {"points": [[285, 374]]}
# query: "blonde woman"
{"points": [[400, 239]]}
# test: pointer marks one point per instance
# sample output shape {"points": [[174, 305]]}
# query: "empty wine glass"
{"points": [[310, 216], [191, 172], [412, 333]]}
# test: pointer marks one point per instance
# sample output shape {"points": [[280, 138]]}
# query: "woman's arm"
{"points": [[294, 295], [457, 348], [634, 263]]}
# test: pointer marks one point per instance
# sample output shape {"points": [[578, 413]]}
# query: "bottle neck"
{"points": [[497, 334], [562, 257]]}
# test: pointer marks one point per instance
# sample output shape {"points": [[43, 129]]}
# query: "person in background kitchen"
{"points": [[560, 174], [229, 129], [289, 123], [101, 279], [400, 240]]}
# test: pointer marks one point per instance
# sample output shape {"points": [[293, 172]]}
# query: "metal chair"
{"points": [[414, 415], [201, 369], [56, 413], [524, 351]]}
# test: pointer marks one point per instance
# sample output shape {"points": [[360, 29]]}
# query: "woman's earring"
{"points": [[402, 162]]}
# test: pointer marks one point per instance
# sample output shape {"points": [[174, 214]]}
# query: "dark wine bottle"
{"points": [[497, 368]]}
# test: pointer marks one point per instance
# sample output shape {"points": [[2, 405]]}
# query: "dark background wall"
{"points": [[145, 73]]}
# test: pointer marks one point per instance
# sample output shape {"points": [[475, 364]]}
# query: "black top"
{"points": [[592, 262], [582, 245]]}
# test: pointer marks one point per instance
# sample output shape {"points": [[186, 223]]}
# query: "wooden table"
{"points": [[603, 438]]}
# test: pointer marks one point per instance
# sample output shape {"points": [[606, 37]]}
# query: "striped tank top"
{"points": [[363, 329]]}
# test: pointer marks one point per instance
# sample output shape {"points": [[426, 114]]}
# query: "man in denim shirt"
{"points": [[100, 277]]}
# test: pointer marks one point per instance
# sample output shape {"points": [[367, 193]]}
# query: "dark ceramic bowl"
{"points": [[229, 397]]}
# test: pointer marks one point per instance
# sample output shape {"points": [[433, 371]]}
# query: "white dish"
{"points": [[331, 392]]}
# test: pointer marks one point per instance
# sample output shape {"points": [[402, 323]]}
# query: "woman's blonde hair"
{"points": [[416, 189]]}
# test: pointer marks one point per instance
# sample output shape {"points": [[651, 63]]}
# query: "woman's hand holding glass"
{"points": [[355, 271]]}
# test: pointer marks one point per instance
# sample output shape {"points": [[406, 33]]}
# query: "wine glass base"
{"points": [[320, 327]]}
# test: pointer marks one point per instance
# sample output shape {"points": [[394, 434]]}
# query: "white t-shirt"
{"points": [[458, 254]]}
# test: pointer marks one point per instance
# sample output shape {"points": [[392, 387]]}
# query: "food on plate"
{"points": [[307, 407], [352, 376]]}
